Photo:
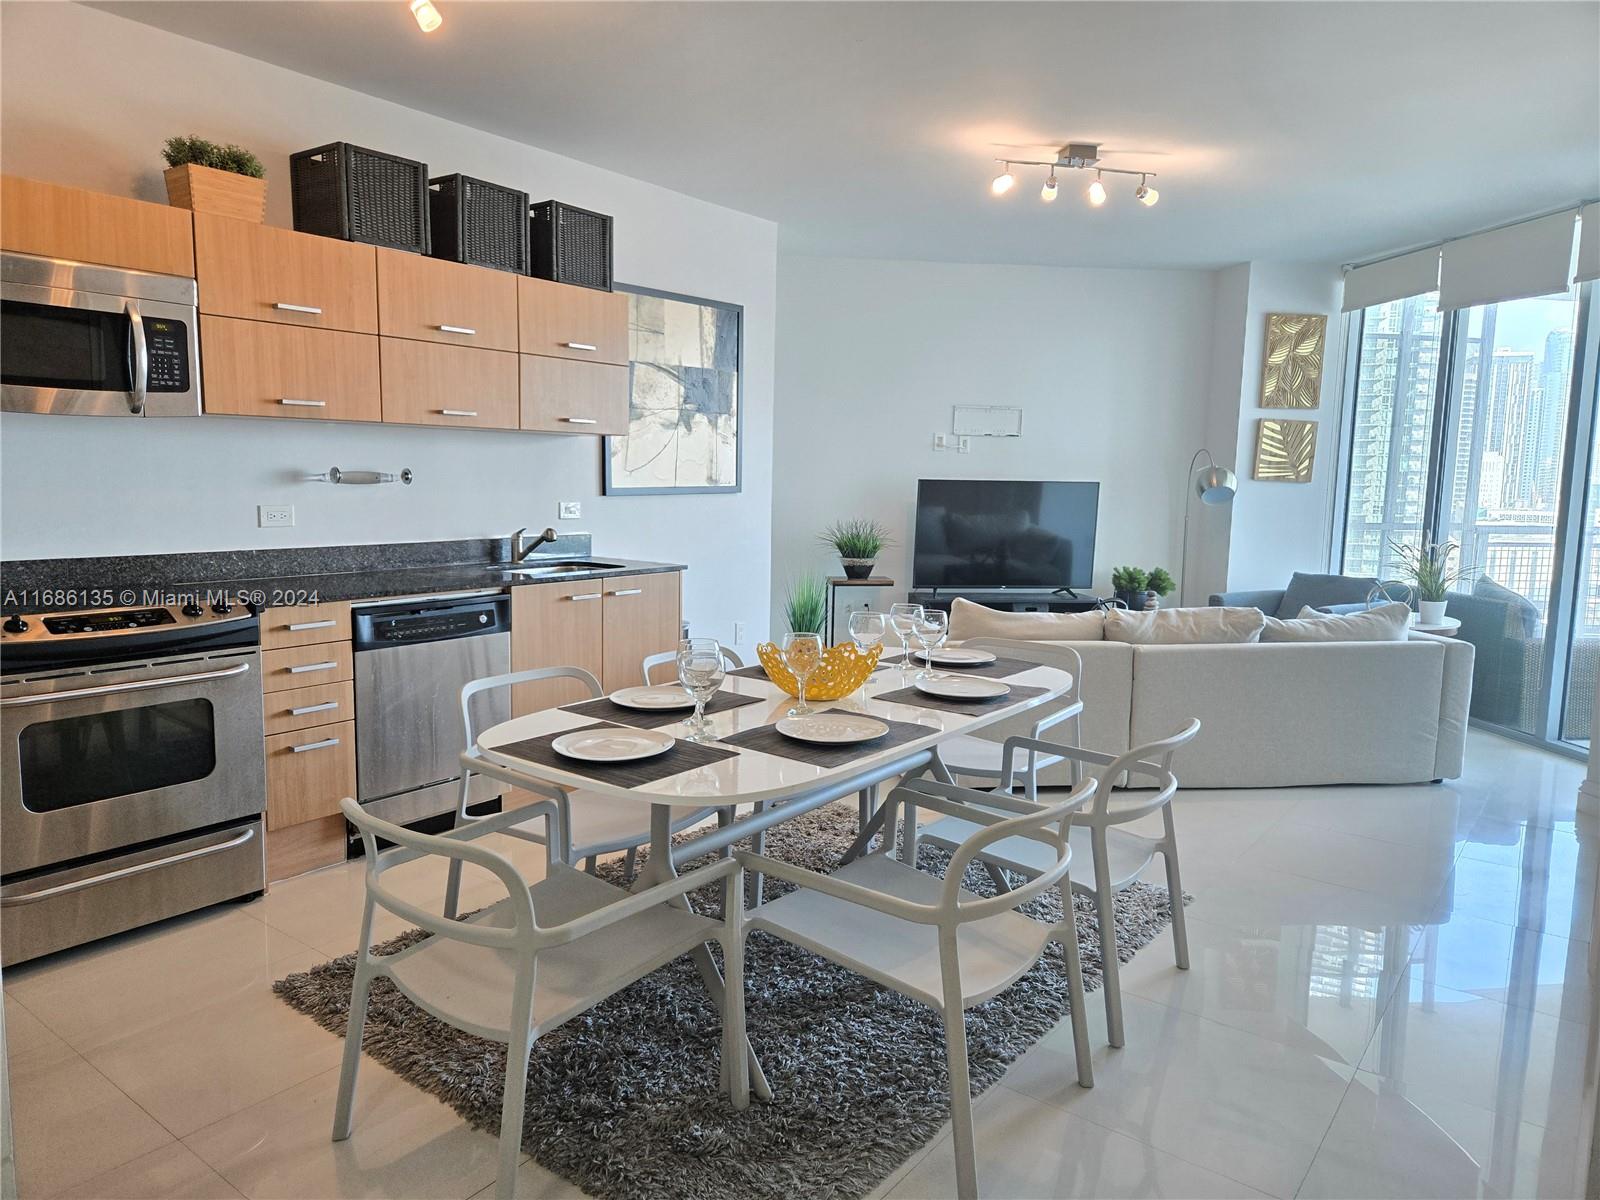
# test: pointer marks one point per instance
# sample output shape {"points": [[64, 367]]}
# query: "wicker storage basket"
{"points": [[361, 195], [474, 221], [570, 245]]}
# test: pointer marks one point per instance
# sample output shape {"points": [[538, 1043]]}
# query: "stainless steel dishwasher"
{"points": [[411, 660]]}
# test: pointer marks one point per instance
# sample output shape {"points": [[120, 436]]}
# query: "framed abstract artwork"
{"points": [[685, 360], [1286, 451], [1291, 365]]}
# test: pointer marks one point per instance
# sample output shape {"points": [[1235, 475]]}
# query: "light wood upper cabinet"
{"points": [[270, 274], [427, 384], [555, 625], [565, 321], [439, 301], [561, 396], [53, 221], [257, 369], [640, 615]]}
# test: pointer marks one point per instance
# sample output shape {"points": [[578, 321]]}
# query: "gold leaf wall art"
{"points": [[1291, 368], [1285, 450]]}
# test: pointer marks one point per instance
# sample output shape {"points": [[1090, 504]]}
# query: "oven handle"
{"points": [[141, 359], [66, 889], [111, 689]]}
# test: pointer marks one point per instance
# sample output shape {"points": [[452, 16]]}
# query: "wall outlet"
{"points": [[571, 510], [274, 516], [941, 441], [964, 446], [738, 633]]}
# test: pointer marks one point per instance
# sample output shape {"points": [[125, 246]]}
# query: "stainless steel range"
{"points": [[133, 782]]}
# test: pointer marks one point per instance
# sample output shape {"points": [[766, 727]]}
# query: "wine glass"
{"points": [[930, 630], [701, 672], [902, 617], [803, 654], [866, 629]]}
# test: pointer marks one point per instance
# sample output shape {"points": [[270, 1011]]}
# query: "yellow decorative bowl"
{"points": [[842, 671]]}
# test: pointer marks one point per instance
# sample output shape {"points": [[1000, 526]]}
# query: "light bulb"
{"points": [[427, 15], [1146, 195], [1097, 192], [1002, 182], [1048, 192]]}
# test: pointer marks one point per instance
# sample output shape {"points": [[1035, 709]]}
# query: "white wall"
{"points": [[1112, 369], [89, 97]]}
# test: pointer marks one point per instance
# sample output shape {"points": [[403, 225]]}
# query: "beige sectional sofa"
{"points": [[1275, 714]]}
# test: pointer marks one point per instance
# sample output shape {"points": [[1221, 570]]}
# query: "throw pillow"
{"points": [[1522, 614], [1384, 623], [1184, 626], [1318, 590], [970, 620]]}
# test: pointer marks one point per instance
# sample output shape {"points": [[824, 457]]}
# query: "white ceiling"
{"points": [[1287, 131]]}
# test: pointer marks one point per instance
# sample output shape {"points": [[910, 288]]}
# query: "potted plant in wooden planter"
{"points": [[858, 543], [226, 181]]}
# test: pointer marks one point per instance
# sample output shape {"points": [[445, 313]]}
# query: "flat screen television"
{"points": [[1004, 533]]}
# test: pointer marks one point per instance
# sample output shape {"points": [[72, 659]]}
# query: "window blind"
{"points": [[1588, 244], [1533, 258], [1407, 275]]}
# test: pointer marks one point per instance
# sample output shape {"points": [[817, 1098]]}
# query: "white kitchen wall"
{"points": [[1112, 369], [88, 98]]}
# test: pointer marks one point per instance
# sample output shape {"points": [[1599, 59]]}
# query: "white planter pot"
{"points": [[1430, 612]]}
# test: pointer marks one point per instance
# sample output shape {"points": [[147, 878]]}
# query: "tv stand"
{"points": [[1058, 600]]}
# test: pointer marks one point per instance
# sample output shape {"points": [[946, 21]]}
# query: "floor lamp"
{"points": [[1215, 486]]}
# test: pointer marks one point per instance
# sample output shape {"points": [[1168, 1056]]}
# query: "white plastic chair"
{"points": [[932, 940], [967, 756], [729, 659], [1117, 857], [505, 976], [579, 825]]}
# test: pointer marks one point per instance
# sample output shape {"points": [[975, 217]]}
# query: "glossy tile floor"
{"points": [[1388, 998]]}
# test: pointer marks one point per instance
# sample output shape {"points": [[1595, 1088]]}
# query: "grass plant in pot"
{"points": [[805, 605], [858, 543], [1140, 589], [225, 181], [1429, 569]]}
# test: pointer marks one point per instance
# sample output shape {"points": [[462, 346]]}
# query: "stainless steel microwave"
{"points": [[86, 340]]}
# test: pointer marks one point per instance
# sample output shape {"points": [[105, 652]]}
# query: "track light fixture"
{"points": [[427, 15], [1074, 156]]}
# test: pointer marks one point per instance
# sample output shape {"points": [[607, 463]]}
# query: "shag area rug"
{"points": [[623, 1101]]}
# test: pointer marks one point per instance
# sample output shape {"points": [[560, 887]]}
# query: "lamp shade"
{"points": [[1215, 485]]}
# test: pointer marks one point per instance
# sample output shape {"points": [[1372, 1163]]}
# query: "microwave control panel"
{"points": [[168, 342]]}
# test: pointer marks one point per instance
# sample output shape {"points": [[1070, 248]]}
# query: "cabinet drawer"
{"points": [[53, 221], [255, 369], [305, 666], [560, 396], [305, 707], [564, 321], [439, 301], [270, 274], [308, 772], [305, 625], [428, 384]]}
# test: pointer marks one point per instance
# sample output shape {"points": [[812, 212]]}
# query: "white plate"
{"points": [[656, 698], [612, 745], [962, 687], [832, 728], [955, 657]]}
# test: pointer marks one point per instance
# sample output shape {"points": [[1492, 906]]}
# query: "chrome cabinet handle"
{"points": [[458, 412], [310, 625], [66, 889], [304, 667], [586, 596], [302, 403], [456, 329], [322, 745], [580, 420], [579, 346], [141, 360], [629, 592], [111, 689], [312, 309], [311, 708]]}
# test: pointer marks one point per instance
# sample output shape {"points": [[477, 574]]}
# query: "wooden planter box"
{"points": [[221, 193]]}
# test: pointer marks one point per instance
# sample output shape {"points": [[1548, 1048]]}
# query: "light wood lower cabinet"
{"points": [[258, 369], [304, 666], [308, 772], [429, 384], [307, 707], [559, 396], [296, 849], [640, 616], [305, 625]]}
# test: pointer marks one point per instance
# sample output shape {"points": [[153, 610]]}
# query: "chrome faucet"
{"points": [[521, 549]]}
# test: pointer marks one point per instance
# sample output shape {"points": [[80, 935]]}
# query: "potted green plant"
{"points": [[1428, 569], [1161, 583], [805, 605], [226, 181], [858, 543], [1131, 585]]}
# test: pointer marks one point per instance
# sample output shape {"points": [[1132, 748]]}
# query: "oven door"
{"points": [[99, 760]]}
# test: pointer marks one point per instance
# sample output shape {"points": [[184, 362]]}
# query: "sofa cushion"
{"points": [[1184, 626], [971, 620], [1522, 614], [1316, 590], [1383, 623]]}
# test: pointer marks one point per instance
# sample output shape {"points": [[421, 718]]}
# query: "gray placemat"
{"points": [[768, 740], [911, 695], [605, 709], [754, 672], [684, 756], [998, 669]]}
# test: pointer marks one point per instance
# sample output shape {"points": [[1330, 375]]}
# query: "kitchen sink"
{"points": [[567, 567]]}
